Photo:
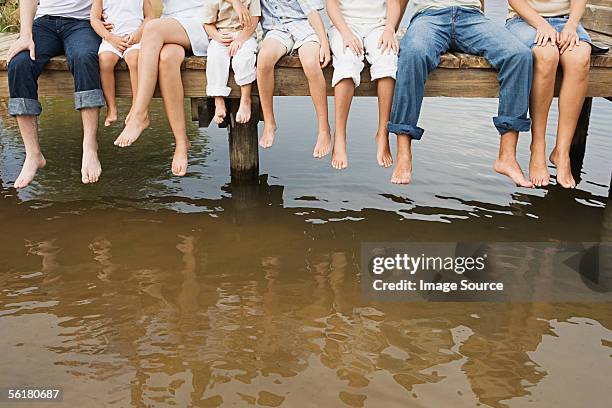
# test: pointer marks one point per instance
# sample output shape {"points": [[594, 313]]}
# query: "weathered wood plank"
{"points": [[598, 18]]}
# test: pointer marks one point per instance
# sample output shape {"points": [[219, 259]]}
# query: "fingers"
{"points": [[32, 52]]}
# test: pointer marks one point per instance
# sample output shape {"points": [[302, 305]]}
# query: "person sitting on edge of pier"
{"points": [[165, 43], [290, 26], [363, 29], [553, 31], [235, 45], [460, 25], [50, 28], [122, 42]]}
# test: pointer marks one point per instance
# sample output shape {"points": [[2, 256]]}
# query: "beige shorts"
{"points": [[289, 41], [105, 46]]}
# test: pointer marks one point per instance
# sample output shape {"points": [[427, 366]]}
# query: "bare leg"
{"points": [[173, 95], [108, 60], [575, 65], [403, 168], [546, 60], [156, 33], [131, 59], [507, 164], [385, 87], [220, 110], [90, 167], [28, 127], [343, 96], [244, 111], [271, 51], [309, 56]]}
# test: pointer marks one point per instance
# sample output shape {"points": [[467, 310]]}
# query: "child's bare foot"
{"points": [[323, 146], [511, 169], [383, 151], [111, 116], [30, 166], [180, 159], [267, 138], [403, 169], [244, 111], [133, 129], [564, 169], [339, 156], [127, 117], [220, 110], [90, 168]]}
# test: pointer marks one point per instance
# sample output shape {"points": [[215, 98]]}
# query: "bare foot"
{"points": [[30, 166], [564, 169], [383, 151], [220, 110], [90, 168], [323, 146], [511, 168], [538, 171], [180, 160], [127, 118], [403, 169], [111, 116], [132, 131], [267, 138], [339, 156], [244, 111]]}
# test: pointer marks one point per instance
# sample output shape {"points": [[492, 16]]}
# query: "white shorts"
{"points": [[194, 26], [348, 65], [218, 66], [289, 41], [105, 46]]}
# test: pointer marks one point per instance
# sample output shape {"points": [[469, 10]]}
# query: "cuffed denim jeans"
{"points": [[55, 36], [432, 33]]}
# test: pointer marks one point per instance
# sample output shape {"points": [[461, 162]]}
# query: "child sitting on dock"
{"points": [[123, 42], [235, 44], [294, 26], [363, 30]]}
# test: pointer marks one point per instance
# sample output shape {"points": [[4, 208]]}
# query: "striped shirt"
{"points": [[289, 16]]}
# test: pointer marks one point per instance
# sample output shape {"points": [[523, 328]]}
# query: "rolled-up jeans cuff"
{"points": [[415, 132], [24, 107], [505, 124], [88, 99]]}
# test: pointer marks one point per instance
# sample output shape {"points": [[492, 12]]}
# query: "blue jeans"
{"points": [[432, 33], [55, 36], [526, 33]]}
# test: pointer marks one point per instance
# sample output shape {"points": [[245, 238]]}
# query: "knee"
{"points": [[131, 59], [577, 61], [151, 31], [520, 55], [411, 52], [171, 58], [20, 63], [84, 59], [107, 62], [546, 58], [266, 60], [311, 65]]}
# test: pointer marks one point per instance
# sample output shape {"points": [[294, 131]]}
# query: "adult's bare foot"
{"points": [[244, 111], [564, 169], [339, 156], [133, 129], [323, 146], [511, 169], [32, 163], [538, 171], [111, 116], [383, 151], [90, 167], [267, 138], [180, 161], [402, 174]]}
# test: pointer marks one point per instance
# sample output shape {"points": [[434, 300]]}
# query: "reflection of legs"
{"points": [[271, 51], [311, 64], [575, 64], [102, 255], [131, 59], [173, 95], [108, 60], [546, 60], [188, 297], [156, 33]]}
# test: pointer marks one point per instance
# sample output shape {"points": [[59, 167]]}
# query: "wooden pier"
{"points": [[459, 75]]}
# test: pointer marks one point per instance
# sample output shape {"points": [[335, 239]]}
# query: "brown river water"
{"points": [[148, 290]]}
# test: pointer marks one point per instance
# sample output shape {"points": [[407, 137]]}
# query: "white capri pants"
{"points": [[348, 65], [218, 66]]}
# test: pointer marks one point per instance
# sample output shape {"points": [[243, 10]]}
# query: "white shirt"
{"points": [[184, 8], [79, 9], [125, 15], [364, 12]]}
